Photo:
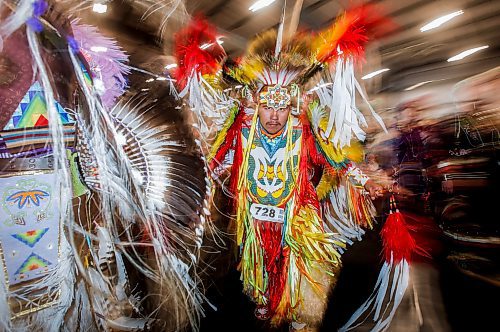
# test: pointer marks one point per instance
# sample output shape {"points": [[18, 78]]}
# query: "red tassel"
{"points": [[197, 50], [397, 239], [310, 145]]}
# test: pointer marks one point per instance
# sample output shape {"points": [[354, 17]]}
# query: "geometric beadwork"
{"points": [[27, 198], [30, 238], [29, 228], [276, 97], [33, 262], [32, 110]]}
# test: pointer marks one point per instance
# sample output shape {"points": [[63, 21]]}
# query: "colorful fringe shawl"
{"points": [[276, 257]]}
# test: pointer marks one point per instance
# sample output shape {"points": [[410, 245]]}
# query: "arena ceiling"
{"points": [[412, 57]]}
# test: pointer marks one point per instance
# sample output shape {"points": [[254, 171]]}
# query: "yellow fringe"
{"points": [[329, 180], [221, 135]]}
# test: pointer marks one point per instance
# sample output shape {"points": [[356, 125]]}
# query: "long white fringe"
{"points": [[206, 103], [63, 276], [338, 217], [337, 92], [389, 290]]}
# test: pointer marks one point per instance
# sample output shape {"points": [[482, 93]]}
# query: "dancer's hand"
{"points": [[374, 189]]}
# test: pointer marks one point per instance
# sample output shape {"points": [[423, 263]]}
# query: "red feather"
{"points": [[191, 57], [351, 32], [426, 234], [397, 239]]}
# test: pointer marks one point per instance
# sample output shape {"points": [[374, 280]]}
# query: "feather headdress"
{"points": [[261, 66], [304, 54], [330, 54]]}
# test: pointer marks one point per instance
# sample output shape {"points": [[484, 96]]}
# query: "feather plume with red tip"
{"points": [[197, 50], [348, 36]]}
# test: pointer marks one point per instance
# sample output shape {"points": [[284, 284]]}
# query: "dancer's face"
{"points": [[273, 120]]}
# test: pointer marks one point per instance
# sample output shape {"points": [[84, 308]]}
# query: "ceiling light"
{"points": [[260, 4], [100, 8], [417, 85], [98, 49], [317, 87], [205, 46], [149, 80], [440, 20], [463, 54], [170, 66], [375, 73], [161, 78]]}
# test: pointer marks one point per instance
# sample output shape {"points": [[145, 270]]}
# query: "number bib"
{"points": [[267, 213]]}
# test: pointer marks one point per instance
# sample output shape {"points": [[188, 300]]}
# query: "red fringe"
{"points": [[359, 200], [237, 160], [274, 260], [232, 141], [191, 57], [309, 155], [228, 143], [309, 143]]}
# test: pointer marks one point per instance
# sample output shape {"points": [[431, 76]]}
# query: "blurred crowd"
{"points": [[438, 156], [440, 159]]}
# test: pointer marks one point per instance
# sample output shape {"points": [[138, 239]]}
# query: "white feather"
{"points": [[11, 23], [279, 39]]}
